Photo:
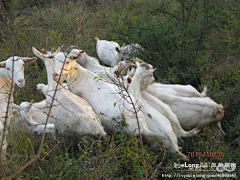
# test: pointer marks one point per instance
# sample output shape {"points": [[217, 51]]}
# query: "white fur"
{"points": [[11, 73], [92, 64], [23, 119], [165, 109], [193, 112], [160, 106], [102, 96], [108, 52], [156, 121], [182, 90], [74, 115], [163, 91]]}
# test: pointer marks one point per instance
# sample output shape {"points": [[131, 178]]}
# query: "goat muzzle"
{"points": [[21, 83], [55, 76]]}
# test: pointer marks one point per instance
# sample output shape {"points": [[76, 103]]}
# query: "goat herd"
{"points": [[91, 103]]}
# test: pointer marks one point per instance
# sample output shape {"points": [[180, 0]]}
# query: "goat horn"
{"points": [[71, 48], [52, 51], [59, 48], [124, 70], [127, 61], [145, 65]]}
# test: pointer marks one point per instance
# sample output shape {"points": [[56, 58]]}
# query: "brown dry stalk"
{"points": [[118, 81], [35, 158], [6, 117]]}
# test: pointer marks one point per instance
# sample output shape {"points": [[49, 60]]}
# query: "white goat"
{"points": [[93, 65], [192, 112], [108, 52], [102, 96], [175, 89], [163, 91], [38, 112], [130, 51], [182, 90], [160, 106], [74, 114], [11, 73], [156, 121], [23, 120]]}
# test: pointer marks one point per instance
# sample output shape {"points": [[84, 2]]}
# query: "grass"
{"points": [[116, 157]]}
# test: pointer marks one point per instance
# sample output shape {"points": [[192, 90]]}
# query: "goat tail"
{"points": [[15, 106], [40, 86], [204, 92], [97, 39], [43, 88], [218, 113]]}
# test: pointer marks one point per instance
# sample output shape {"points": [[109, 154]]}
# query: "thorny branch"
{"points": [[6, 117], [38, 155], [123, 92]]}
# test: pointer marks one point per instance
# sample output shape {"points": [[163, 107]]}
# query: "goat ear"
{"points": [[117, 49], [120, 65], [132, 72], [137, 63], [37, 53], [52, 51], [153, 69], [2, 64], [82, 51], [150, 71], [78, 56], [59, 48], [29, 60], [129, 80]]}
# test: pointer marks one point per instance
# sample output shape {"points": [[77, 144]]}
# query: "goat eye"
{"points": [[8, 68], [67, 62]]}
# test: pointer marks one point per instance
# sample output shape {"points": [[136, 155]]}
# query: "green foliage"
{"points": [[87, 158], [98, 78]]}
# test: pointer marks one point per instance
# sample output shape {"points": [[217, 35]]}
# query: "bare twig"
{"points": [[35, 158], [123, 92], [51, 150], [159, 164], [51, 105], [9, 100]]}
